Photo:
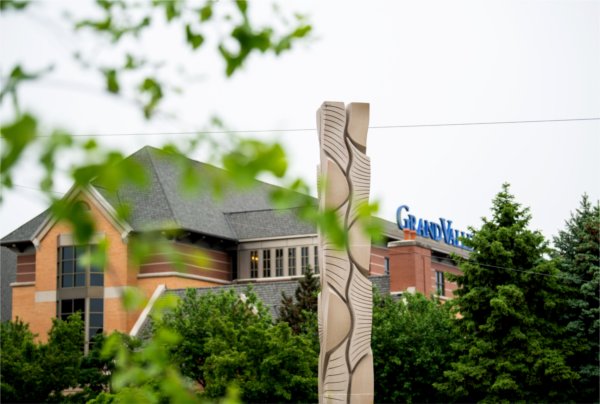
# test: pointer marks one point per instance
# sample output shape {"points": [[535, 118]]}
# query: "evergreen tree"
{"points": [[578, 248], [508, 300], [296, 312]]}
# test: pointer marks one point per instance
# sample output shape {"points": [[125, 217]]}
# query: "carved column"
{"points": [[345, 302]]}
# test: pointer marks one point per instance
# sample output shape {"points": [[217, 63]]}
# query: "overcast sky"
{"points": [[424, 62]]}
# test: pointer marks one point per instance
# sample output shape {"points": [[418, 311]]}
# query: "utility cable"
{"points": [[378, 127]]}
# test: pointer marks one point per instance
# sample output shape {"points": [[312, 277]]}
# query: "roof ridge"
{"points": [[233, 231], [162, 189]]}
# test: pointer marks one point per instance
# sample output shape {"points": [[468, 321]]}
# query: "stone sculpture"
{"points": [[345, 301]]}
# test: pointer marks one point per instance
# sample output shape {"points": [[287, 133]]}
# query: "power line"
{"points": [[407, 126], [38, 189], [484, 123], [526, 271]]}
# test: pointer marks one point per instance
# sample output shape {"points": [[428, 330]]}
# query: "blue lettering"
{"points": [[447, 230], [423, 228], [435, 231], [401, 225], [412, 220]]}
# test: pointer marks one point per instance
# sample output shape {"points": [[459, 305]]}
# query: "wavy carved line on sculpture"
{"points": [[333, 146], [360, 298], [359, 170], [336, 379], [336, 258], [359, 248]]}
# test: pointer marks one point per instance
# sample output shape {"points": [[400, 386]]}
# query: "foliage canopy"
{"points": [[508, 300]]}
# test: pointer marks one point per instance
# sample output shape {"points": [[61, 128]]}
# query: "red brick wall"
{"points": [[450, 287], [377, 264], [410, 266]]}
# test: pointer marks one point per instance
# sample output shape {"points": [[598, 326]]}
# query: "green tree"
{"points": [[21, 368], [508, 299], [38, 372], [94, 373], [296, 311], [230, 339], [413, 343], [63, 353], [578, 248], [269, 364]]}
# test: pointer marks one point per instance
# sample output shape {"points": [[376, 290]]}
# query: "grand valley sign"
{"points": [[433, 230]]}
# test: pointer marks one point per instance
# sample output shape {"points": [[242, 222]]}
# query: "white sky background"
{"points": [[425, 62]]}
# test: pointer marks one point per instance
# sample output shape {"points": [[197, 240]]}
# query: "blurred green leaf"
{"points": [[172, 8], [194, 39], [99, 25], [123, 211], [206, 12], [90, 145], [133, 299], [154, 93], [57, 141], [17, 76], [16, 137], [252, 158], [285, 43], [105, 4], [132, 63], [109, 27], [112, 82], [13, 4], [77, 216], [242, 6]]}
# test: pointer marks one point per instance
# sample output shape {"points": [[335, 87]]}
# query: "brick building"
{"points": [[241, 236]]}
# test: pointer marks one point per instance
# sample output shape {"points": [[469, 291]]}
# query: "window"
{"points": [[80, 288], [96, 319], [292, 261], [279, 262], [69, 306], [304, 259], [93, 317], [266, 263], [254, 264], [386, 265], [75, 269], [439, 283], [316, 259]]}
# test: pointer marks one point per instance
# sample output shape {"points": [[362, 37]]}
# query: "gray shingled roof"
{"points": [[25, 232], [163, 204], [268, 223]]}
